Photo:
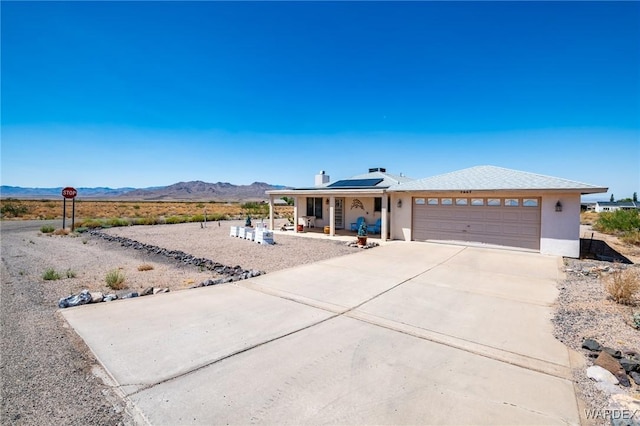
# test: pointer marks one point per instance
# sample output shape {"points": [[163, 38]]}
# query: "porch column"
{"points": [[295, 213], [332, 216], [271, 218], [384, 229]]}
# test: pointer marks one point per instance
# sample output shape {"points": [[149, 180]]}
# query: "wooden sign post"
{"points": [[69, 192]]}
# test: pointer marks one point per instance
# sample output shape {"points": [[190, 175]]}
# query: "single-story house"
{"points": [[484, 204], [611, 206]]}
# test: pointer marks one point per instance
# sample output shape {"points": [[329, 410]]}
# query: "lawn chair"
{"points": [[375, 228], [355, 226]]}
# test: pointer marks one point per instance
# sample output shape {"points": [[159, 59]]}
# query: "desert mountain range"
{"points": [[181, 191]]}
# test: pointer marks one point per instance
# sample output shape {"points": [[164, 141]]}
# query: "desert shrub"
{"points": [[80, 230], [631, 237], [47, 229], [217, 216], [197, 218], [61, 232], [91, 223], [149, 220], [145, 267], [115, 279], [70, 273], [618, 221], [116, 221], [622, 285], [50, 274], [13, 208], [175, 219]]}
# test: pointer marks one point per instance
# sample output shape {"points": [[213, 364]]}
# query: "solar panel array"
{"points": [[355, 183]]}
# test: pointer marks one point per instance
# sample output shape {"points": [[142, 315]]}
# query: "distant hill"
{"points": [[181, 191]]}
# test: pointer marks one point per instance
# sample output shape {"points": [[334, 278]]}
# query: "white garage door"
{"points": [[511, 222]]}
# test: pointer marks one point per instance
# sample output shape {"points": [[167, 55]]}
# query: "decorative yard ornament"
{"points": [[248, 221], [356, 203]]}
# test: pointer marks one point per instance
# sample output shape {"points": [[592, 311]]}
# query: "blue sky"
{"points": [[151, 93]]}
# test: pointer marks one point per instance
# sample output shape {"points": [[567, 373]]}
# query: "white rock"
{"points": [[599, 374], [96, 297]]}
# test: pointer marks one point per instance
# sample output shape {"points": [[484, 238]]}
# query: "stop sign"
{"points": [[69, 192]]}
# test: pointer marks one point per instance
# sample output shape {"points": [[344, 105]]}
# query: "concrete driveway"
{"points": [[407, 333]]}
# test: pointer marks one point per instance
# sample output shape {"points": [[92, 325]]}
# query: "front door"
{"points": [[339, 213]]}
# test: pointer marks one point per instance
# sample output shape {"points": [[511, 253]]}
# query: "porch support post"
{"points": [[271, 218], [384, 229], [332, 216], [295, 213]]}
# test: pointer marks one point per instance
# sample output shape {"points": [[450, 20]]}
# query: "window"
{"points": [[511, 202], [314, 207], [377, 204], [477, 201], [432, 201], [530, 202], [461, 201], [419, 201], [447, 201], [493, 201]]}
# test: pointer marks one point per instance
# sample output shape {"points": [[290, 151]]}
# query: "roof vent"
{"points": [[377, 169]]}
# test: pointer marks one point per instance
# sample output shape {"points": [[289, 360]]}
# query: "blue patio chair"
{"points": [[356, 226], [375, 228]]}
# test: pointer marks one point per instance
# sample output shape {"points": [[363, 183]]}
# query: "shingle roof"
{"points": [[493, 178]]}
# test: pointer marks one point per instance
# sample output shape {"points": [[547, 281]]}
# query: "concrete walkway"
{"points": [[406, 333]]}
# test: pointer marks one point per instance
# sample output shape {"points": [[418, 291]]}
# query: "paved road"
{"points": [[407, 333]]}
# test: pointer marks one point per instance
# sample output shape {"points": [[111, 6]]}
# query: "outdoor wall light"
{"points": [[400, 203], [558, 206]]}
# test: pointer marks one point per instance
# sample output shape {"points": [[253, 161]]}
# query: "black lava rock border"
{"points": [[231, 273]]}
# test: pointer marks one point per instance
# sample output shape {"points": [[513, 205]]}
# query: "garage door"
{"points": [[511, 222]]}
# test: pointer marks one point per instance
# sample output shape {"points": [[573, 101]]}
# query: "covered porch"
{"points": [[339, 210]]}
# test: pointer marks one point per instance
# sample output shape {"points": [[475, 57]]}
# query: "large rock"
{"points": [[625, 410], [613, 352], [592, 345], [96, 296], [599, 374], [630, 365], [635, 376], [147, 291], [612, 365]]}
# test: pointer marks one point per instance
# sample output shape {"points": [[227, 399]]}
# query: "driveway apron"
{"points": [[406, 333]]}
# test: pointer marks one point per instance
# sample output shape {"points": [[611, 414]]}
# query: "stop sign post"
{"points": [[69, 192]]}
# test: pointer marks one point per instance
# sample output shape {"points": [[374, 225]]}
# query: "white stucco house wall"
{"points": [[483, 204]]}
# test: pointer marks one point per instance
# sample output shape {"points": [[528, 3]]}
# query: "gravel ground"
{"points": [[47, 372], [45, 369], [583, 311]]}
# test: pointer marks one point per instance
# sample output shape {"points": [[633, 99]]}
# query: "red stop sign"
{"points": [[69, 192]]}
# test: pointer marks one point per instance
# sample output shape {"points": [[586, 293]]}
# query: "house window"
{"points": [[511, 202], [493, 202], [477, 201], [419, 201], [432, 201], [530, 202], [461, 201], [447, 201], [377, 204], [314, 207]]}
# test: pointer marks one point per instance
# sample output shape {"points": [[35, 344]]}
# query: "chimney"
{"points": [[377, 169], [321, 178]]}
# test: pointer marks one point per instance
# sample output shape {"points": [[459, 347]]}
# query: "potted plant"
{"points": [[362, 234]]}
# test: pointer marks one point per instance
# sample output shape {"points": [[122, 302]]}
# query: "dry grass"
{"points": [[61, 232], [85, 210], [623, 285], [115, 279], [589, 218], [145, 267]]}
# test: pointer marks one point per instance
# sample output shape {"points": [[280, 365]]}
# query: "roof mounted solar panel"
{"points": [[355, 183]]}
